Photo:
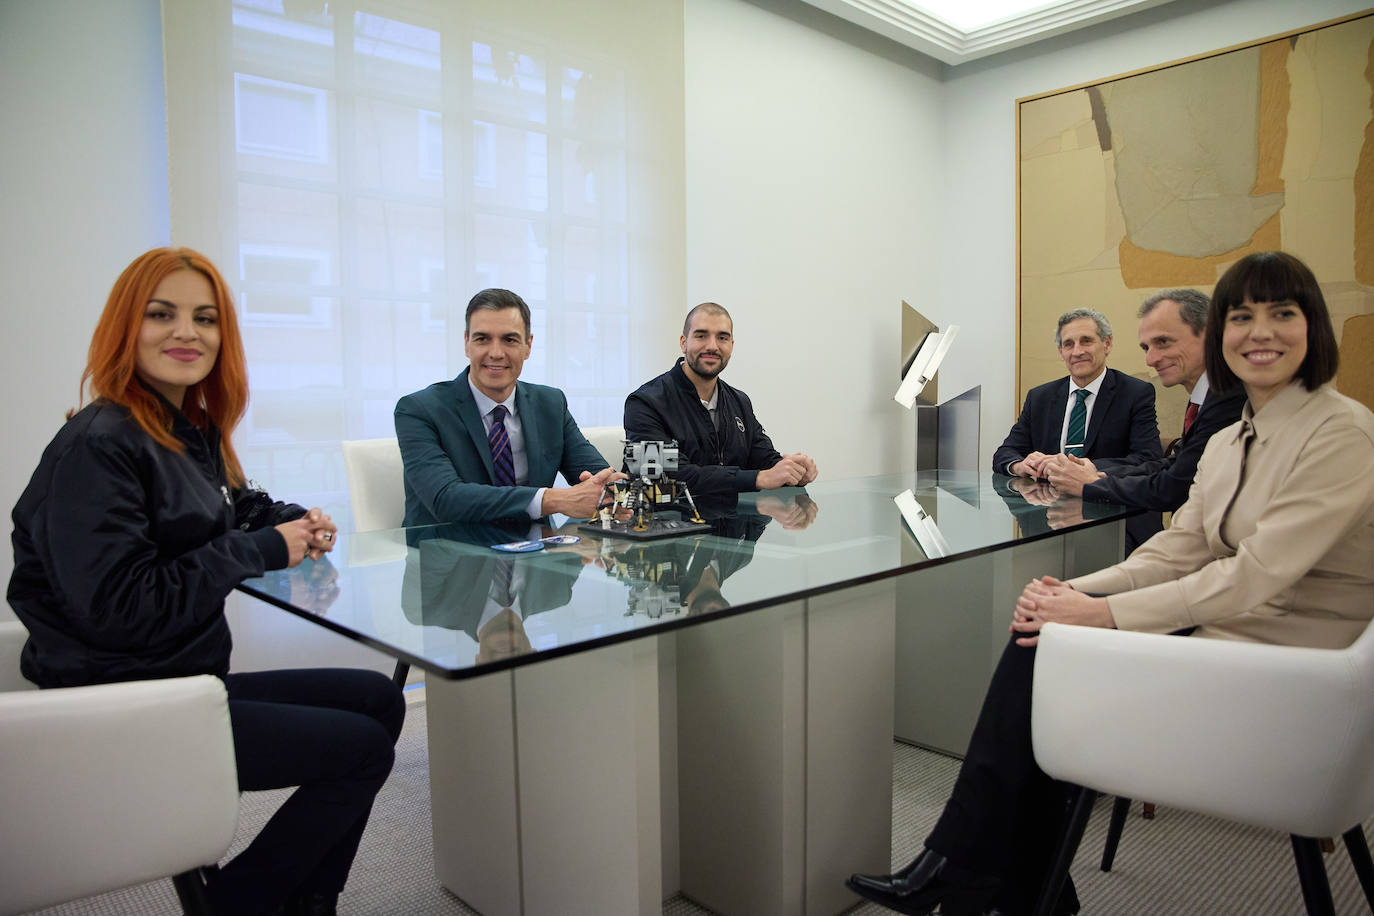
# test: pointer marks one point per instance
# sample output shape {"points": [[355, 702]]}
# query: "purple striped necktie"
{"points": [[502, 577], [502, 461]]}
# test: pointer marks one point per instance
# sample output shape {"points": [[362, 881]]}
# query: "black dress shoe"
{"points": [[927, 881]]}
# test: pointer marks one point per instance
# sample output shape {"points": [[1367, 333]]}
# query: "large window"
{"points": [[378, 163]]}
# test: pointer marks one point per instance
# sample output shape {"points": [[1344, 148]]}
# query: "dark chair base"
{"points": [[1316, 891], [402, 672], [1080, 806], [1358, 847], [190, 886], [1120, 809]]}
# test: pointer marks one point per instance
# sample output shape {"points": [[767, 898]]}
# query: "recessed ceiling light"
{"points": [[958, 31], [967, 15]]}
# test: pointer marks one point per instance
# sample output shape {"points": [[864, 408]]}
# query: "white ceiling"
{"points": [[957, 31]]}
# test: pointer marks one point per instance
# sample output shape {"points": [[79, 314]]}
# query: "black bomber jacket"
{"points": [[124, 552], [667, 408]]}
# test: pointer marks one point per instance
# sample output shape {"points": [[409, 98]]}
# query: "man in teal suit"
{"points": [[486, 445]]}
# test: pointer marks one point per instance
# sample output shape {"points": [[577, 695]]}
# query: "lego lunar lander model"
{"points": [[634, 502]]}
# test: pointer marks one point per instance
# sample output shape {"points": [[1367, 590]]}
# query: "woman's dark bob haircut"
{"points": [[1272, 276]]}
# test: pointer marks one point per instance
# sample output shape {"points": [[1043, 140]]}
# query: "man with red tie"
{"points": [[1172, 326]]}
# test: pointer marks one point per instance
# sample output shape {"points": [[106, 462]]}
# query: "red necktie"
{"points": [[1189, 417]]}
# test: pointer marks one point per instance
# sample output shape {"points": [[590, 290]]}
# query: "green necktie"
{"points": [[1078, 424]]}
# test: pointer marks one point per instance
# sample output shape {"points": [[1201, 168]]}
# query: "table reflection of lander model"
{"points": [[651, 487], [652, 578]]}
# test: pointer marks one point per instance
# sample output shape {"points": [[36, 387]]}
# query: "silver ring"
{"points": [[327, 537]]}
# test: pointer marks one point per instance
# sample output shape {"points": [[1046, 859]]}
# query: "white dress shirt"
{"points": [[1093, 388], [1200, 390]]}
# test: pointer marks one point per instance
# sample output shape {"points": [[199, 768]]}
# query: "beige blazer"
{"points": [[1284, 556]]}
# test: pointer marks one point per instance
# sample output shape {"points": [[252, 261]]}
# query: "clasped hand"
{"points": [[1070, 474], [1049, 600], [313, 534], [795, 470]]}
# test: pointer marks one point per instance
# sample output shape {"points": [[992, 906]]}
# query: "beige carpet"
{"points": [[1179, 863]]}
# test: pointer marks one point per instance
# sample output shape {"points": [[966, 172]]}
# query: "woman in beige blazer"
{"points": [[1275, 544]]}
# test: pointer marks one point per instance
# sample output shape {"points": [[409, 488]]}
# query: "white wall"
{"points": [[813, 186], [84, 166], [977, 213]]}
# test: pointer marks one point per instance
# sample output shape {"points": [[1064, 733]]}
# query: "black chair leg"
{"points": [[1316, 892], [1358, 848], [1081, 806], [1120, 808], [402, 672], [191, 892]]}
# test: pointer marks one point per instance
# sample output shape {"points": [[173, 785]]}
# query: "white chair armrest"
{"points": [[107, 786], [1274, 736], [12, 639]]}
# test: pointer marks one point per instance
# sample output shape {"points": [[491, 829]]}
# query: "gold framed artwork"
{"points": [[1165, 177]]}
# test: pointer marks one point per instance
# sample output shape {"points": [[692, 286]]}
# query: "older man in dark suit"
{"points": [[1094, 412], [486, 445]]}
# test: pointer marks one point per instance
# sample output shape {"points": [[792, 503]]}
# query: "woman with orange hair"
{"points": [[133, 530]]}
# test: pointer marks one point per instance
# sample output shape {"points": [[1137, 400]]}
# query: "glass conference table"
{"points": [[614, 721]]}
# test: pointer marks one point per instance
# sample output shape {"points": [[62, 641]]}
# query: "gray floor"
{"points": [[1178, 863]]}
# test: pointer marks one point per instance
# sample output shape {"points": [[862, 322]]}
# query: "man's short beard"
{"points": [[696, 366]]}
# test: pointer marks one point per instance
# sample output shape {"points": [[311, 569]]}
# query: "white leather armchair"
{"points": [[109, 786], [609, 441], [1271, 736], [376, 489], [376, 485]]}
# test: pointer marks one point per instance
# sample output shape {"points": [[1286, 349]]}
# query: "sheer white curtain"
{"points": [[358, 170]]}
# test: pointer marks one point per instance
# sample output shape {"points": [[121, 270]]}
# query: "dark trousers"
{"points": [[330, 731], [1005, 816], [1140, 528]]}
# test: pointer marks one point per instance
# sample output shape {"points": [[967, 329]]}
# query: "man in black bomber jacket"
{"points": [[722, 448]]}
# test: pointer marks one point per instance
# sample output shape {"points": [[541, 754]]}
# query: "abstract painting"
{"points": [[1166, 177]]}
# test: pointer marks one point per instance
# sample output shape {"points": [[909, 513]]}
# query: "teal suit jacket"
{"points": [[448, 471]]}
